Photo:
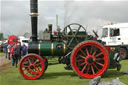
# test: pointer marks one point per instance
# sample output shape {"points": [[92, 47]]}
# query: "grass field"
{"points": [[57, 75], [2, 54]]}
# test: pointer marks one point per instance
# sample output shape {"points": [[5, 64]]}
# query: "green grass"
{"points": [[57, 75], [2, 54]]}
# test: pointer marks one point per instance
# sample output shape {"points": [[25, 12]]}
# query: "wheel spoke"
{"points": [[96, 67], [91, 50], [24, 69], [94, 53], [87, 51], [38, 69], [82, 56], [25, 66], [83, 52], [78, 30], [28, 72], [32, 60], [100, 64], [99, 54], [88, 69], [82, 64], [29, 61], [35, 61], [38, 64], [93, 70], [71, 30], [70, 42], [100, 59], [84, 68], [79, 60], [76, 34]]}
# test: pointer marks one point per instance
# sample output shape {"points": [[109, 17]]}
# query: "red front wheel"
{"points": [[89, 59], [32, 66]]}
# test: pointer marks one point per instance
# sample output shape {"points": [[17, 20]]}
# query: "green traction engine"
{"points": [[82, 53]]}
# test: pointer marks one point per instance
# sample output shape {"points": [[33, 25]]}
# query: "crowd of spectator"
{"points": [[14, 52]]}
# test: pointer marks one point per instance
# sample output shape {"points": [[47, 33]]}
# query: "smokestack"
{"points": [[57, 26], [56, 22], [34, 17]]}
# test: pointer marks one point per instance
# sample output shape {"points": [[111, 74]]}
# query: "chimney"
{"points": [[34, 17]]}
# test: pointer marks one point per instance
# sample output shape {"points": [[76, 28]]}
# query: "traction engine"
{"points": [[81, 52]]}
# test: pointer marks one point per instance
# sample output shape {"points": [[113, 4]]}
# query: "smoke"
{"points": [[95, 14], [15, 17]]}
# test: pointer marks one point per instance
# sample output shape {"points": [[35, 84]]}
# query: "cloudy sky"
{"points": [[15, 19]]}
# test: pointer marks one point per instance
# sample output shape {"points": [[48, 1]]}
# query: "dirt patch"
{"points": [[5, 66], [4, 63]]}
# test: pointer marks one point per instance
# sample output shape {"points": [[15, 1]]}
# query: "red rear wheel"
{"points": [[46, 63], [89, 59], [32, 66]]}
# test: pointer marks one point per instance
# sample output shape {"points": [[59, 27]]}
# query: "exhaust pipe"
{"points": [[34, 18]]}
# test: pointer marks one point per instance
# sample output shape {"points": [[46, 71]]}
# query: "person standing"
{"points": [[9, 50], [11, 54], [24, 49], [19, 49], [14, 55], [5, 49]]}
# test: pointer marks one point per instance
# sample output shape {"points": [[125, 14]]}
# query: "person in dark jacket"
{"points": [[19, 50], [24, 49], [17, 54]]}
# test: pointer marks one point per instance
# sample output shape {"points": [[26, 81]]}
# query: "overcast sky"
{"points": [[15, 17]]}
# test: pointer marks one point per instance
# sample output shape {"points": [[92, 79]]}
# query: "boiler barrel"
{"points": [[48, 48]]}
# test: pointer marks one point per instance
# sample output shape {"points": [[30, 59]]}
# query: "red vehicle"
{"points": [[12, 39]]}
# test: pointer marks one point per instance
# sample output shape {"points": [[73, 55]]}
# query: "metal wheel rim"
{"points": [[94, 74], [34, 73]]}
